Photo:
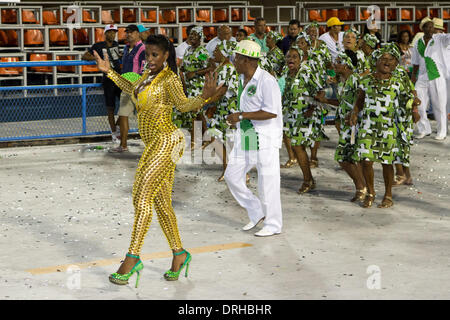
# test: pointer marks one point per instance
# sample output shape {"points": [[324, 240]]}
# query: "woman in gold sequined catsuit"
{"points": [[155, 94]]}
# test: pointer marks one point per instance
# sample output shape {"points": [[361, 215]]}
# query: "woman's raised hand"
{"points": [[103, 65], [210, 88]]}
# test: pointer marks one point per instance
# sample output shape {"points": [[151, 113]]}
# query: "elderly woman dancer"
{"points": [[379, 98], [155, 94]]}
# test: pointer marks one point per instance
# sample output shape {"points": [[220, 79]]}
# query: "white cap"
{"points": [[111, 27]]}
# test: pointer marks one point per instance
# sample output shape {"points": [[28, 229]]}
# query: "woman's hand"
{"points": [[103, 65], [210, 88]]}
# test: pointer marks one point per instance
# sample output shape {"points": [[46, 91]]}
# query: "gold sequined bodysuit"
{"points": [[164, 145]]}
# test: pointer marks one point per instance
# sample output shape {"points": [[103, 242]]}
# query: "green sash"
{"points": [[249, 137], [432, 70]]}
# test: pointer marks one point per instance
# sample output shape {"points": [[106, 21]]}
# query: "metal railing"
{"points": [[53, 111]]}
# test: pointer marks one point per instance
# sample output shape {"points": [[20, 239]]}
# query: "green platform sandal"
{"points": [[122, 279], [171, 275]]}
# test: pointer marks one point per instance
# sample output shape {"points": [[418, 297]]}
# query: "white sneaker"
{"points": [[251, 225], [265, 233], [422, 135], [439, 137]]}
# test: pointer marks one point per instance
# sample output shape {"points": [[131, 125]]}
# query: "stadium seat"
{"points": [[237, 15], [420, 13], [11, 71], [58, 37], [33, 38], [203, 16], [406, 14], [3, 39], [128, 15], [332, 13], [184, 34], [249, 17], [87, 17], [90, 69], [151, 16], [29, 17], [121, 36], [220, 15], [344, 14], [9, 16], [8, 38], [364, 15], [99, 35], [106, 17], [434, 13], [80, 36], [184, 15], [445, 14], [169, 16], [40, 57], [249, 30], [315, 15], [49, 17], [391, 14], [65, 68]]}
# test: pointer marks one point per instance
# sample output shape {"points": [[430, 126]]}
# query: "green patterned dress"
{"points": [[194, 59], [346, 97], [273, 62], [227, 104], [405, 121], [319, 58], [378, 131], [300, 129]]}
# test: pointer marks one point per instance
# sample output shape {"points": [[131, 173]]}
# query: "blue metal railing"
{"points": [[53, 111]]}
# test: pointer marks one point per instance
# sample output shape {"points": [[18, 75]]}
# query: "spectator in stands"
{"points": [[404, 39], [334, 37], [223, 33], [293, 31], [373, 31], [143, 32], [241, 35], [260, 34], [181, 48], [133, 60], [110, 47], [431, 86]]}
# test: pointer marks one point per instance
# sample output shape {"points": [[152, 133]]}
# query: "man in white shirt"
{"points": [[257, 141], [428, 60], [334, 37], [223, 33]]}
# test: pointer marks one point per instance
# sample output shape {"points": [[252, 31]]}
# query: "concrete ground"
{"points": [[66, 217]]}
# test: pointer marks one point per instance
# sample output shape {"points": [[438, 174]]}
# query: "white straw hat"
{"points": [[248, 48]]}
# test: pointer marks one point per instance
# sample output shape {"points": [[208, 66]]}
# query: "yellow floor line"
{"points": [[148, 256]]}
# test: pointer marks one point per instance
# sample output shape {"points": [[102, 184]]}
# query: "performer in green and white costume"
{"points": [[302, 120], [368, 44], [226, 99], [379, 97], [428, 60], [273, 61], [193, 69], [318, 53]]}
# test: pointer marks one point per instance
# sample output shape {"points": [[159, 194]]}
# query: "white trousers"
{"points": [[268, 204], [436, 92]]}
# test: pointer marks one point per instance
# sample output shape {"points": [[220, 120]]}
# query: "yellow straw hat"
{"points": [[438, 23], [424, 21]]}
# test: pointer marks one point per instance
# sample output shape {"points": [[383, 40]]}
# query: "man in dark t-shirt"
{"points": [[111, 91]]}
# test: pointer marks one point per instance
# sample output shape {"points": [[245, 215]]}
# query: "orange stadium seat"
{"points": [[420, 13], [364, 15], [8, 38], [203, 15], [58, 37], [29, 17], [65, 68], [87, 16], [3, 39], [184, 34], [107, 17], [128, 15], [344, 15], [40, 57], [33, 37], [99, 35], [249, 30], [121, 36], [237, 15], [49, 17], [169, 16], [80, 36], [316, 15], [163, 31], [151, 16], [332, 13], [434, 13], [249, 17], [391, 14], [9, 16], [446, 14], [220, 15], [406, 14], [89, 69], [12, 71], [184, 15]]}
